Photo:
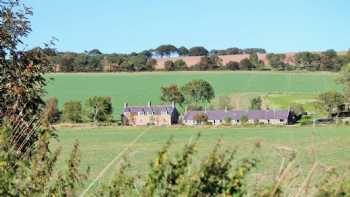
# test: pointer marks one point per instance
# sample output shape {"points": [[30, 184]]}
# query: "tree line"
{"points": [[96, 61], [95, 109]]}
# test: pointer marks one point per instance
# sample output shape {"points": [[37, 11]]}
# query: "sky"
{"points": [[134, 25]]}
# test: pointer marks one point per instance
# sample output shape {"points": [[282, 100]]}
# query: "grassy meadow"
{"points": [[279, 88], [100, 145], [329, 146]]}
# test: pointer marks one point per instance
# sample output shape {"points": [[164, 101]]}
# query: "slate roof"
{"points": [[237, 114], [153, 109]]}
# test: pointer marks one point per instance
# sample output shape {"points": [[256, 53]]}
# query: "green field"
{"points": [[139, 88], [328, 145]]}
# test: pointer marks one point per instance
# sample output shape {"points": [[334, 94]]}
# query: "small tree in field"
{"points": [[99, 109], [197, 91], [330, 102], [72, 111], [255, 103]]}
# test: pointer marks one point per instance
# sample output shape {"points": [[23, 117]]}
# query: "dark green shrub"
{"points": [[72, 111]]}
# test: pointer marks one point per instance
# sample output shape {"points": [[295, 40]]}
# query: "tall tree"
{"points": [[99, 109], [183, 51], [166, 50], [171, 94], [94, 52], [198, 51], [255, 103], [27, 164], [330, 102], [276, 61], [197, 91], [22, 81]]}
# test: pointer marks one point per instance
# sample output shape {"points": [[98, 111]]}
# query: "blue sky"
{"points": [[134, 25]]}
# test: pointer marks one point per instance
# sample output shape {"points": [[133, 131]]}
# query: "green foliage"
{"points": [[121, 184], [334, 184], [180, 65], [306, 120], [183, 51], [137, 62], [198, 51], [177, 65], [175, 175], [297, 109], [209, 63], [34, 174], [166, 50], [72, 111], [68, 182], [198, 91], [255, 103], [330, 102], [231, 65], [99, 109], [245, 64], [277, 61], [222, 102], [216, 176], [310, 61], [171, 94], [254, 60]]}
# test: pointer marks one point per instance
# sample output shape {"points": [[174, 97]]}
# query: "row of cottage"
{"points": [[168, 115]]}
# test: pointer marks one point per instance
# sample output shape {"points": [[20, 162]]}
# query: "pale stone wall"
{"points": [[237, 122], [146, 119]]}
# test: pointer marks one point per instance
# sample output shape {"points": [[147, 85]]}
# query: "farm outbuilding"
{"points": [[234, 117]]}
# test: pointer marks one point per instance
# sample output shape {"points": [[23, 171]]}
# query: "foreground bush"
{"points": [[177, 176]]}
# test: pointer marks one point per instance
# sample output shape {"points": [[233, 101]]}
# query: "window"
{"points": [[140, 113], [281, 120]]}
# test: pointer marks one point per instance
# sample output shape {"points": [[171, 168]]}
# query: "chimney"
{"points": [[205, 109], [173, 104], [225, 108], [149, 103], [186, 109], [125, 105]]}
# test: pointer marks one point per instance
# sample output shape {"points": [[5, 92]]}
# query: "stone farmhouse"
{"points": [[149, 114], [218, 117]]}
